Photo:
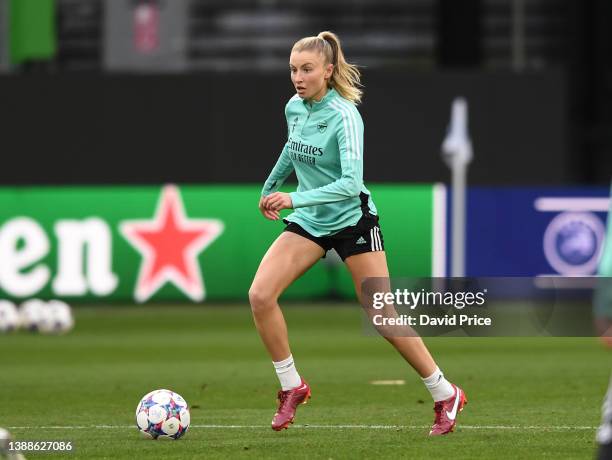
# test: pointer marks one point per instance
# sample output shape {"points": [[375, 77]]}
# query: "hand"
{"points": [[277, 201], [267, 213]]}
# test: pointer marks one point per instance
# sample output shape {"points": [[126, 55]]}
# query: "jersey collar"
{"points": [[331, 93]]}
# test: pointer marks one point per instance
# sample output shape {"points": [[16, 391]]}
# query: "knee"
{"points": [[261, 299]]}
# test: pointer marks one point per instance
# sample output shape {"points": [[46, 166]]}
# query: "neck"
{"points": [[320, 95]]}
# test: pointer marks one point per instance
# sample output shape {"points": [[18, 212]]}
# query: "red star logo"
{"points": [[169, 245]]}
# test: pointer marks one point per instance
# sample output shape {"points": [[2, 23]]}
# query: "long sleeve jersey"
{"points": [[325, 148]]}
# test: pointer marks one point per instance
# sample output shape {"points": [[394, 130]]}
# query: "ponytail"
{"points": [[345, 78]]}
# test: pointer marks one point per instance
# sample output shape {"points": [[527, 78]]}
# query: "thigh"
{"points": [[368, 265], [374, 265], [286, 260]]}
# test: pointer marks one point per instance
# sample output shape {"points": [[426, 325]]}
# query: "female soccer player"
{"points": [[332, 210]]}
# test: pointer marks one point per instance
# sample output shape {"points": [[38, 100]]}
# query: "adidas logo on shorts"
{"points": [[361, 240]]}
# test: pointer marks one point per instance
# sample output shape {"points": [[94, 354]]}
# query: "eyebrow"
{"points": [[306, 63]]}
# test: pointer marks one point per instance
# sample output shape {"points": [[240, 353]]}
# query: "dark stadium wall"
{"points": [[214, 128]]}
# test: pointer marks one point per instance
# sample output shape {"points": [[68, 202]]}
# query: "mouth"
{"points": [[300, 89]]}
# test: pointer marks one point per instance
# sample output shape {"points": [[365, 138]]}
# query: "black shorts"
{"points": [[357, 239]]}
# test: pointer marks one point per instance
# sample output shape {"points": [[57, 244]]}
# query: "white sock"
{"points": [[287, 373], [438, 386]]}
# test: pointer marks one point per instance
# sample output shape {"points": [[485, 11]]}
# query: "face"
{"points": [[309, 74]]}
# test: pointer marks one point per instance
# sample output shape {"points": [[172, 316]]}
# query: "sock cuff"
{"points": [[284, 365], [434, 378]]}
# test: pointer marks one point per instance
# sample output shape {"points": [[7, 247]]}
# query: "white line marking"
{"points": [[388, 382], [330, 427]]}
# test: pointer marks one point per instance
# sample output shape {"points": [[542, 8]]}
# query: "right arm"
{"points": [[280, 172], [283, 166]]}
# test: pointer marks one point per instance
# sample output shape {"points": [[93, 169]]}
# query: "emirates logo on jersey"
{"points": [[298, 147]]}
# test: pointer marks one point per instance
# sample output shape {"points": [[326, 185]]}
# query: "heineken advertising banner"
{"points": [[180, 243]]}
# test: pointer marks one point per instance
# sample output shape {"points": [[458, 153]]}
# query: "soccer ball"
{"points": [[9, 318], [163, 414], [5, 438], [56, 318], [31, 314]]}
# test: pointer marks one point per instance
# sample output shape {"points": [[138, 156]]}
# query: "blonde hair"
{"points": [[345, 78]]}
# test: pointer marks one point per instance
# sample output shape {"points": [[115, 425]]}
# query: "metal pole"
{"points": [[459, 182], [457, 153], [519, 57]]}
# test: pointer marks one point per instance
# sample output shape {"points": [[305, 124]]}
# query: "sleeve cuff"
{"points": [[296, 200]]}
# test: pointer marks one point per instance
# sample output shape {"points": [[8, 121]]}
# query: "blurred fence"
{"points": [[214, 128]]}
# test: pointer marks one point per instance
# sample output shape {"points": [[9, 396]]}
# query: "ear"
{"points": [[329, 70]]}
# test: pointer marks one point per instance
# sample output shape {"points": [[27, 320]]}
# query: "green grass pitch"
{"points": [[528, 397]]}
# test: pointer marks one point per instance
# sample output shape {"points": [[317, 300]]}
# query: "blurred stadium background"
{"points": [[106, 103]]}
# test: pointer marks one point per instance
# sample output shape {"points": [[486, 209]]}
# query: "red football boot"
{"points": [[287, 404], [447, 411]]}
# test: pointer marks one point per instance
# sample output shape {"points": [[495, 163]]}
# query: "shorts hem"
{"points": [[303, 233]]}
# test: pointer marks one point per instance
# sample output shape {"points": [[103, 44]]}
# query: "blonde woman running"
{"points": [[332, 210]]}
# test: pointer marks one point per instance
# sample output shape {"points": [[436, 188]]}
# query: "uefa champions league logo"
{"points": [[573, 242], [576, 243]]}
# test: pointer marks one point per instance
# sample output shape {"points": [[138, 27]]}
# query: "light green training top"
{"points": [[602, 299], [325, 148], [605, 263]]}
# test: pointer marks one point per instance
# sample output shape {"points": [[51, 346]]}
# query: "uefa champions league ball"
{"points": [[56, 318], [9, 317], [31, 314], [5, 438], [5, 447], [163, 414]]}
